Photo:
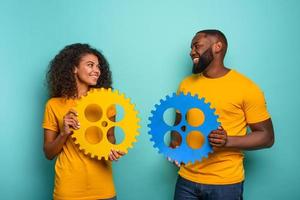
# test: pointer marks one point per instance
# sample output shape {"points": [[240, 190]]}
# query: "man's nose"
{"points": [[192, 52]]}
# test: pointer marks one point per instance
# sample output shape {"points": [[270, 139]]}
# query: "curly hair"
{"points": [[60, 77]]}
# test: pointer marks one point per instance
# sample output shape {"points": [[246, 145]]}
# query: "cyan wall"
{"points": [[147, 44]]}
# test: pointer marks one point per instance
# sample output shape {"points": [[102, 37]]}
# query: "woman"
{"points": [[72, 72]]}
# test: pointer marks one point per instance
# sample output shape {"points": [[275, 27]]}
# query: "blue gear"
{"points": [[158, 128]]}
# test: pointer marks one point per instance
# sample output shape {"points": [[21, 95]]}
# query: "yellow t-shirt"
{"points": [[77, 177], [238, 102]]}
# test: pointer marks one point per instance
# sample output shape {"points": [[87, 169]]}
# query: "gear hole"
{"points": [[195, 117], [195, 139], [115, 135], [172, 116], [172, 139], [93, 135], [93, 112], [117, 111]]}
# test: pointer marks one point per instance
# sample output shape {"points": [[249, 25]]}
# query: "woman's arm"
{"points": [[53, 141]]}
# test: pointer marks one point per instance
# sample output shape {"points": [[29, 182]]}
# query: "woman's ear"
{"points": [[75, 70]]}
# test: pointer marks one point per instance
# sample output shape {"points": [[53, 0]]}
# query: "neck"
{"points": [[82, 89], [215, 69]]}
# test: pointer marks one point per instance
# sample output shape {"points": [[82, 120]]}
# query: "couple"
{"points": [[238, 101]]}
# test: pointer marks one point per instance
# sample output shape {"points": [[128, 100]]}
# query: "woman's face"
{"points": [[88, 70]]}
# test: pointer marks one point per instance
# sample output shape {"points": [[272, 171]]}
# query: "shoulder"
{"points": [[244, 81], [189, 79], [54, 102]]}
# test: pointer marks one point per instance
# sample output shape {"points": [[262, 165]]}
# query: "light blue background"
{"points": [[147, 44]]}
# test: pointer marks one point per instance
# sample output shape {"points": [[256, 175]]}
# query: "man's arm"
{"points": [[261, 136]]}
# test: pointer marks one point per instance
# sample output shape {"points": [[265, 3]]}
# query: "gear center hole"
{"points": [[104, 123]]}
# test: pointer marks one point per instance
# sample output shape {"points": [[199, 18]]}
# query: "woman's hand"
{"points": [[115, 155], [70, 122]]}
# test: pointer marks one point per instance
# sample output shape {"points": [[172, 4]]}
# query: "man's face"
{"points": [[201, 53]]}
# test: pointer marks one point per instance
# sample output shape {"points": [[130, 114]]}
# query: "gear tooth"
{"points": [[109, 89], [116, 92], [156, 106], [174, 94]]}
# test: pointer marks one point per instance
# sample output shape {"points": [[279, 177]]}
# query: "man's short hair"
{"points": [[216, 33]]}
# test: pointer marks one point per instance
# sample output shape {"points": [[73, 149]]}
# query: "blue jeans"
{"points": [[188, 190]]}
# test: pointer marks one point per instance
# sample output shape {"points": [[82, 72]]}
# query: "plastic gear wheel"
{"points": [[158, 128], [92, 135]]}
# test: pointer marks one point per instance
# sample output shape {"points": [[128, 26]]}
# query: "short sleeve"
{"points": [[255, 107], [50, 122]]}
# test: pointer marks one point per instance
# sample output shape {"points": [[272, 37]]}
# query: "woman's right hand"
{"points": [[70, 122]]}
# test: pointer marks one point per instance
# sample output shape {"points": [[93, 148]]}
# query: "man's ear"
{"points": [[218, 47]]}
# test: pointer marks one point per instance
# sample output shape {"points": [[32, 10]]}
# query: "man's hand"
{"points": [[218, 138]]}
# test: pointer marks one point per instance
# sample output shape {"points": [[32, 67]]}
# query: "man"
{"points": [[240, 104]]}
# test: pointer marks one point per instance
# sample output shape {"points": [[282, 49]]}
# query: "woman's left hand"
{"points": [[115, 155]]}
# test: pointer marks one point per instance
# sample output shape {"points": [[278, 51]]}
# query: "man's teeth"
{"points": [[195, 60]]}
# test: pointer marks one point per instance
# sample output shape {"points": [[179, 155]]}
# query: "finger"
{"points": [[121, 153], [217, 136], [217, 142], [114, 154], [111, 157], [72, 123], [73, 111], [75, 119]]}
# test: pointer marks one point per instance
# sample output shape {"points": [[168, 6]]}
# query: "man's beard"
{"points": [[204, 60]]}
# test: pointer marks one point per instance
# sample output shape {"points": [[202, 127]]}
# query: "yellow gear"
{"points": [[95, 123]]}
